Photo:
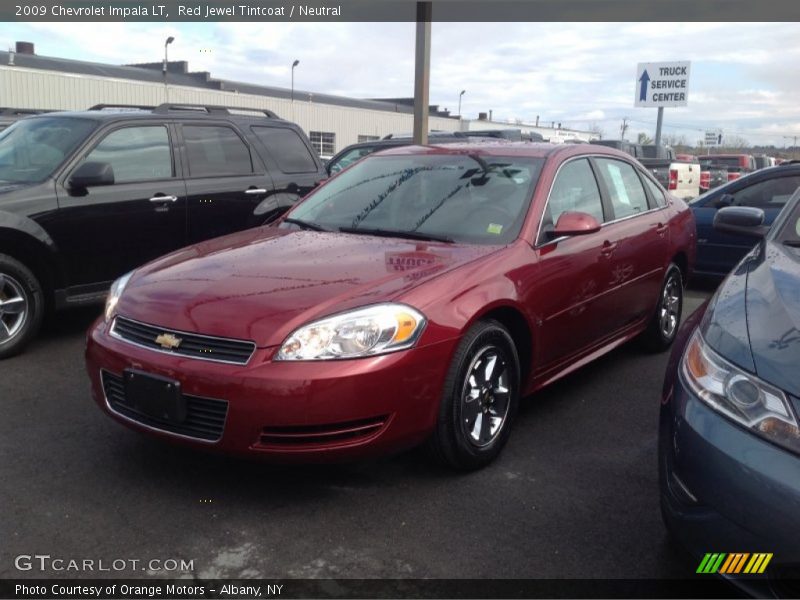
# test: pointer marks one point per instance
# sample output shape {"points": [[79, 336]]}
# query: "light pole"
{"points": [[294, 64], [459, 103], [169, 40]]}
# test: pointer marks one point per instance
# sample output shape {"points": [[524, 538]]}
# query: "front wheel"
{"points": [[663, 327], [21, 306], [480, 399]]}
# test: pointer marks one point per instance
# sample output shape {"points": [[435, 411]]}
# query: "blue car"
{"points": [[768, 189], [729, 432]]}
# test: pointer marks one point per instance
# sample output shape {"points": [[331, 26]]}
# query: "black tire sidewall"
{"points": [[457, 450], [34, 295]]}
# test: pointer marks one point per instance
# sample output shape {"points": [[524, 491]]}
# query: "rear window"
{"points": [[287, 149], [727, 161], [216, 151]]}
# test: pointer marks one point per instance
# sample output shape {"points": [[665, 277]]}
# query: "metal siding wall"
{"points": [[29, 88]]}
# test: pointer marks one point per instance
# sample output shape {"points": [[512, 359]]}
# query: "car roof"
{"points": [[493, 147]]}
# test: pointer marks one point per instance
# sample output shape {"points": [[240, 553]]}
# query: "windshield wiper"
{"points": [[411, 235], [305, 224], [792, 243]]}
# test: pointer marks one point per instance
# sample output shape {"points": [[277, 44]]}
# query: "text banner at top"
{"points": [[512, 11]]}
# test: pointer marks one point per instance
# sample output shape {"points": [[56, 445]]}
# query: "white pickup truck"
{"points": [[680, 177]]}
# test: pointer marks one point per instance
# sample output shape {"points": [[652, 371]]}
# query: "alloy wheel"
{"points": [[485, 397], [670, 306], [13, 308]]}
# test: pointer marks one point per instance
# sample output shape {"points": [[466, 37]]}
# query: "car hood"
{"points": [[7, 188], [261, 284], [773, 316]]}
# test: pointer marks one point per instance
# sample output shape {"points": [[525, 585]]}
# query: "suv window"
{"points": [[287, 149], [32, 149], [772, 193], [624, 187], [215, 150], [348, 158], [575, 189], [135, 153]]}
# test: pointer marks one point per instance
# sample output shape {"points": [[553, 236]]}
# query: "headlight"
{"points": [[364, 332], [740, 395], [113, 295]]}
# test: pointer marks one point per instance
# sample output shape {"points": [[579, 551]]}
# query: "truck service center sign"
{"points": [[662, 84]]}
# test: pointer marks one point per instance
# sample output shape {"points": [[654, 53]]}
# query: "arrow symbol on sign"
{"points": [[645, 79]]}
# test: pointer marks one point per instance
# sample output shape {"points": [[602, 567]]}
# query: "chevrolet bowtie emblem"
{"points": [[168, 341]]}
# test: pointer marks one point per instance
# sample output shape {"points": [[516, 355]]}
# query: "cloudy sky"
{"points": [[743, 80]]}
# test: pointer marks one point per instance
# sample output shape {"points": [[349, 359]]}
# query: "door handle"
{"points": [[255, 191], [661, 229], [608, 248], [163, 198]]}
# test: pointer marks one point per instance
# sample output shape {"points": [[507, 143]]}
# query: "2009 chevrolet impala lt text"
{"points": [[413, 298]]}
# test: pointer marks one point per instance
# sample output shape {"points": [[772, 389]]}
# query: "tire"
{"points": [[464, 437], [666, 319], [22, 306]]}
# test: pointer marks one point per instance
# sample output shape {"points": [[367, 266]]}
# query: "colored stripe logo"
{"points": [[734, 563]]}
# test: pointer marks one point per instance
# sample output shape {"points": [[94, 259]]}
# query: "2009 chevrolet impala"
{"points": [[415, 297]]}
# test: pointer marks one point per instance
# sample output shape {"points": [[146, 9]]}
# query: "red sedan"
{"points": [[415, 297]]}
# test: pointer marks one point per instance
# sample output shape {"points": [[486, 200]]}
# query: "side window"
{"points": [[655, 191], [287, 149], [216, 150], [624, 187], [575, 189], [135, 153], [773, 193], [349, 158]]}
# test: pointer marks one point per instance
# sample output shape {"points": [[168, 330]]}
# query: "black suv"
{"points": [[87, 196]]}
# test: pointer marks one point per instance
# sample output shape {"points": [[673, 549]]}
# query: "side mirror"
{"points": [[723, 201], [91, 174], [741, 220], [575, 223]]}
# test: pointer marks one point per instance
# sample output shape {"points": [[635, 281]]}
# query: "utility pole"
{"points": [[623, 128], [422, 72], [659, 121]]}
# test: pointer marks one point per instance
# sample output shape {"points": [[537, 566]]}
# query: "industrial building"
{"points": [[30, 81]]}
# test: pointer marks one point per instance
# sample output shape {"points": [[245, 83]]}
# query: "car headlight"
{"points": [[363, 332], [113, 295], [739, 395]]}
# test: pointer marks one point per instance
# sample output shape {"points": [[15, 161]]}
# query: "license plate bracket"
{"points": [[154, 396]]}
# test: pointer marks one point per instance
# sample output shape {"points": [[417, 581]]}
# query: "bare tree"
{"points": [[735, 142], [644, 139]]}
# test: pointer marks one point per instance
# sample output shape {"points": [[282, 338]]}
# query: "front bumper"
{"points": [[315, 411], [724, 489]]}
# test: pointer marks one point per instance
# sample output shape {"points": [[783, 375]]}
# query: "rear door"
{"points": [[292, 163], [637, 243], [225, 180], [103, 232]]}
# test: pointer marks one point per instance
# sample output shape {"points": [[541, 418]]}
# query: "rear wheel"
{"points": [[664, 324], [21, 306], [480, 399]]}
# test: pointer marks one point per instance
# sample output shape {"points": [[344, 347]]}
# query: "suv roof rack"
{"points": [[211, 109], [21, 111], [121, 107]]}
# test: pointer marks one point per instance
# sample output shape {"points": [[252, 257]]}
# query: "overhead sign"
{"points": [[662, 84], [713, 138]]}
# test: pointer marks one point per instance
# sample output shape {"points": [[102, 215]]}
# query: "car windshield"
{"points": [[349, 158], [465, 198], [31, 149], [789, 232]]}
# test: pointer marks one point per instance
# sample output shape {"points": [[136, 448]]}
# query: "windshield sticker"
{"points": [[494, 228]]}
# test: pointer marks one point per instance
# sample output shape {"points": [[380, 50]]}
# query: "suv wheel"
{"points": [[664, 324], [480, 399], [21, 306]]}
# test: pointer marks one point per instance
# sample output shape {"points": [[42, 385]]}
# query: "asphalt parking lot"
{"points": [[574, 495]]}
